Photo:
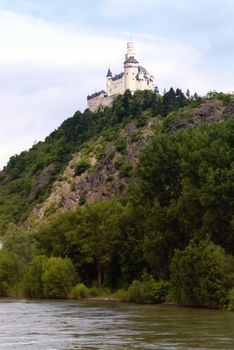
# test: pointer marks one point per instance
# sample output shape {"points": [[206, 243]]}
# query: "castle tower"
{"points": [[130, 68], [109, 82], [130, 50]]}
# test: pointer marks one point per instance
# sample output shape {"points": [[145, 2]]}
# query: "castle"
{"points": [[134, 77]]}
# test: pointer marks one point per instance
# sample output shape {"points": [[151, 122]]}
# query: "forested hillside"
{"points": [[28, 177], [137, 197]]}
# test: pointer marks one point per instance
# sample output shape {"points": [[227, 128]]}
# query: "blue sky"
{"points": [[55, 52]]}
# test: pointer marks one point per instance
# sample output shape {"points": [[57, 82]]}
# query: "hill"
{"points": [[121, 192], [46, 177]]}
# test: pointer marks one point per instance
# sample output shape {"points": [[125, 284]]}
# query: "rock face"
{"points": [[107, 177], [208, 112], [110, 173], [42, 181], [229, 110]]}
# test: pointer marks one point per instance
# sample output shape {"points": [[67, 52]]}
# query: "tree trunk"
{"points": [[99, 274]]}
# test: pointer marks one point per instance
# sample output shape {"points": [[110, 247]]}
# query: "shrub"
{"points": [[73, 186], [82, 199], [99, 151], [120, 145], [148, 291], [230, 299], [122, 295], [109, 178], [124, 168], [82, 166], [119, 163], [58, 277], [80, 291], [225, 98], [136, 137], [110, 134], [201, 275], [96, 291], [86, 148]]}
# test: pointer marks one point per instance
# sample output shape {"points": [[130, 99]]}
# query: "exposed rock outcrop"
{"points": [[208, 112], [109, 174], [42, 180], [229, 110], [107, 177]]}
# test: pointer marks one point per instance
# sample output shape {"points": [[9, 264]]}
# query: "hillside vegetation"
{"points": [[137, 197]]}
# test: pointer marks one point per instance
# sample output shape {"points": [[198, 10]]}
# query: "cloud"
{"points": [[47, 67], [36, 40], [54, 10], [46, 72], [198, 15], [130, 8]]}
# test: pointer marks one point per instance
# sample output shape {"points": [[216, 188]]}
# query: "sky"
{"points": [[53, 53]]}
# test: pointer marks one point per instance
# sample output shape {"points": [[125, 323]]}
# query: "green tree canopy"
{"points": [[58, 277], [201, 274]]}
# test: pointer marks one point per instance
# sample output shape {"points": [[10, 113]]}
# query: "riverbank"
{"points": [[138, 293]]}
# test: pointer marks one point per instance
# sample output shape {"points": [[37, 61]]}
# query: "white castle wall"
{"points": [[100, 102], [115, 87], [94, 103], [144, 84]]}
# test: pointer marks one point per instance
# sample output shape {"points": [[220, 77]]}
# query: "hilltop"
{"points": [[125, 192]]}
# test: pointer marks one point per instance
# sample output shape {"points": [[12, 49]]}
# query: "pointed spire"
{"points": [[109, 74]]}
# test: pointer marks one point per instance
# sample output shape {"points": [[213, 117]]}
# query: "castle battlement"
{"points": [[134, 77]]}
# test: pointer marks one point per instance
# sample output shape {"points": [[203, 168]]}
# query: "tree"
{"points": [[99, 235], [201, 274], [181, 100], [188, 94], [10, 272], [19, 241], [189, 174], [168, 103], [156, 91], [103, 240], [33, 284]]}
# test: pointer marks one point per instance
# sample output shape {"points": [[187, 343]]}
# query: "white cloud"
{"points": [[45, 74], [33, 40]]}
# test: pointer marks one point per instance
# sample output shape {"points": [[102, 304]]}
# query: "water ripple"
{"points": [[70, 325]]}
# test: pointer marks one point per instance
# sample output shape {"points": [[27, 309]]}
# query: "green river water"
{"points": [[71, 325]]}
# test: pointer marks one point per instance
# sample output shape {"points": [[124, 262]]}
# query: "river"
{"points": [[71, 325]]}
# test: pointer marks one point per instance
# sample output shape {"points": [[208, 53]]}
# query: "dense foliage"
{"points": [[170, 237], [27, 179], [201, 274], [186, 190]]}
